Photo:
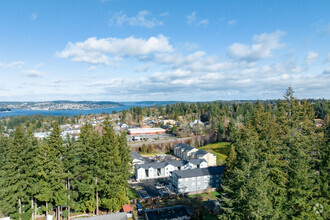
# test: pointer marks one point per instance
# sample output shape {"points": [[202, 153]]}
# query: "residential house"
{"points": [[185, 181], [212, 206], [196, 123], [137, 158], [164, 169], [187, 152]]}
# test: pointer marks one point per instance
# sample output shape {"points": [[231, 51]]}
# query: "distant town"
{"points": [[57, 105]]}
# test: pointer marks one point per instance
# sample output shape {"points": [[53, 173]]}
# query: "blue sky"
{"points": [[120, 50]]}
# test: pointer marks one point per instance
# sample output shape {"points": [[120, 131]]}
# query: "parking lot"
{"points": [[152, 188]]}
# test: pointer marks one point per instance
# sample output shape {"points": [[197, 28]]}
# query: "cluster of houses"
{"points": [[196, 170]]}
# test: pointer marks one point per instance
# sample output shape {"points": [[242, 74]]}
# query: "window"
{"points": [[193, 183], [186, 179], [198, 183]]}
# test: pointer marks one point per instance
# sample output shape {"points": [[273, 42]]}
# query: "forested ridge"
{"points": [[63, 175]]}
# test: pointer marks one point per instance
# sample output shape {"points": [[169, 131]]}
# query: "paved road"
{"points": [[158, 142]]}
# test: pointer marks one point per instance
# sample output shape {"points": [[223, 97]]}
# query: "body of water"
{"points": [[16, 112]]}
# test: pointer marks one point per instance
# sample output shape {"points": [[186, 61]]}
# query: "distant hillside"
{"points": [[151, 103]]}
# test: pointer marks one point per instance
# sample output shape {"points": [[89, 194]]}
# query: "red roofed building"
{"points": [[127, 208]]}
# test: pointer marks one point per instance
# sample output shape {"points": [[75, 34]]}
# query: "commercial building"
{"points": [[187, 152], [164, 169], [140, 131], [185, 181]]}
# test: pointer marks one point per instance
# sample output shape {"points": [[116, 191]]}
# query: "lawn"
{"points": [[205, 196], [221, 149]]}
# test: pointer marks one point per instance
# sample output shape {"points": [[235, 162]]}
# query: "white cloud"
{"points": [[15, 64], [311, 57], [262, 47], [33, 73], [142, 19], [197, 61], [326, 71], [192, 20], [94, 50], [203, 22], [232, 22], [91, 68], [39, 65]]}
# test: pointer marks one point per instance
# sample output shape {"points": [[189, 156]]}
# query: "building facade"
{"points": [[187, 152], [140, 131], [186, 181], [164, 169]]}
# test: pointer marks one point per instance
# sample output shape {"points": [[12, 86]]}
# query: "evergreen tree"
{"points": [[87, 170]]}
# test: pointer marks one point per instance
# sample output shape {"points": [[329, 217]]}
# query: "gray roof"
{"points": [[196, 161], [184, 146], [174, 212], [155, 165], [137, 156], [114, 216], [177, 163], [200, 152], [199, 172]]}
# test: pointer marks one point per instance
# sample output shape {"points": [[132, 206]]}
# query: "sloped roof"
{"points": [[114, 216], [155, 165], [137, 156], [127, 208], [196, 161], [184, 146], [177, 163], [199, 172], [174, 212]]}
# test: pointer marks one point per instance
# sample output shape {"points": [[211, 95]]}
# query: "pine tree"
{"points": [[51, 171], [18, 176], [302, 140], [87, 170]]}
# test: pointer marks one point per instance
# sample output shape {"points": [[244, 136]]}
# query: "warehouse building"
{"points": [[141, 131]]}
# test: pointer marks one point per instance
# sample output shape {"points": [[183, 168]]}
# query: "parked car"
{"points": [[159, 185], [139, 209]]}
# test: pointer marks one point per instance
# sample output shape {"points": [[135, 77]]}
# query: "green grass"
{"points": [[149, 154], [132, 194], [221, 149], [214, 195]]}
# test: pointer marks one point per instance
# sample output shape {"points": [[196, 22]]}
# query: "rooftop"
{"points": [[114, 216], [199, 172], [174, 212], [184, 146]]}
